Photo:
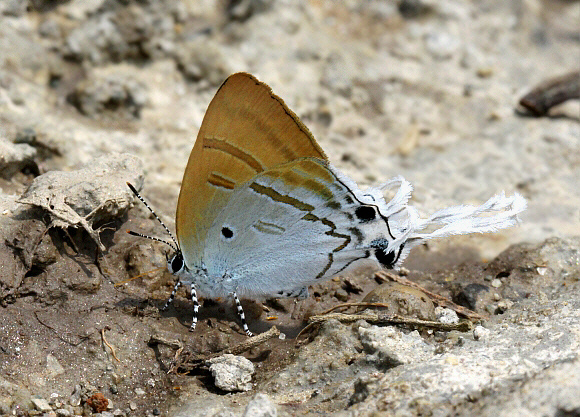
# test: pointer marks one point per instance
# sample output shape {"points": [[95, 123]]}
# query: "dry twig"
{"points": [[551, 93], [384, 318], [436, 298], [108, 345], [189, 361], [381, 318], [347, 305], [81, 338], [118, 284], [160, 340]]}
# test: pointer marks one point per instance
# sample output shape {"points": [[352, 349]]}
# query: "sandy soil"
{"points": [[425, 89]]}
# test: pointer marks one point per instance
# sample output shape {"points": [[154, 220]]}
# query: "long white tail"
{"points": [[499, 212]]}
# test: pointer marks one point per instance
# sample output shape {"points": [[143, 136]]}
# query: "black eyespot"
{"points": [[365, 213], [177, 263], [227, 233], [386, 259]]}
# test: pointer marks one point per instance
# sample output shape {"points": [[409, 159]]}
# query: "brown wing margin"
{"points": [[246, 118]]}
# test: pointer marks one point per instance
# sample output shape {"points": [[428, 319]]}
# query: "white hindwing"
{"points": [[303, 221], [294, 225]]}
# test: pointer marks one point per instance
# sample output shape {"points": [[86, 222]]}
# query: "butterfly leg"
{"points": [[195, 308], [242, 315], [302, 294], [299, 293], [172, 296]]}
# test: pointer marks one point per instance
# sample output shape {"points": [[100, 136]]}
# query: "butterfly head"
{"points": [[176, 263]]}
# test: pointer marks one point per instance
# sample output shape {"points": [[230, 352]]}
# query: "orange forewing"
{"points": [[246, 129]]}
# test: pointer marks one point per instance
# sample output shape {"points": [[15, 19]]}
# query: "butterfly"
{"points": [[262, 212]]}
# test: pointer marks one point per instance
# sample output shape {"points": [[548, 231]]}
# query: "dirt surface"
{"points": [[97, 93]]}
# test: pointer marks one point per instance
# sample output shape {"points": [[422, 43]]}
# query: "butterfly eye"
{"points": [[176, 263], [365, 213], [227, 232]]}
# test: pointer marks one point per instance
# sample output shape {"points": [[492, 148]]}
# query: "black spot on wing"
{"points": [[386, 259], [365, 213], [350, 199]]}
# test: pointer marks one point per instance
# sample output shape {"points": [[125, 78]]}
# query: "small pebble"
{"points": [[439, 349], [505, 305], [260, 405], [117, 379], [341, 295], [446, 315], [496, 283], [480, 333], [451, 360], [232, 373], [41, 404], [484, 72]]}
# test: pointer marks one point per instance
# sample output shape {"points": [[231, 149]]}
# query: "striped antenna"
{"points": [[174, 247], [132, 233]]}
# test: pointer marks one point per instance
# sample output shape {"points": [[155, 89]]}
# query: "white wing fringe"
{"points": [[499, 212]]}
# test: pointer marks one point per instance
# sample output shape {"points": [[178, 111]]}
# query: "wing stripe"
{"points": [[233, 150], [332, 232], [367, 255], [269, 228], [302, 206], [281, 198], [220, 181]]}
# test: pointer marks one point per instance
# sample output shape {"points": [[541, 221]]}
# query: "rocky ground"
{"points": [[97, 93]]}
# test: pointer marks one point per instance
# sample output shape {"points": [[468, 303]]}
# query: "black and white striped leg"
{"points": [[195, 308], [172, 296], [242, 315]]}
